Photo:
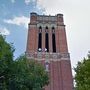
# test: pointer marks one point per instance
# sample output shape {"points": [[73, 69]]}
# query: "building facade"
{"points": [[47, 44]]}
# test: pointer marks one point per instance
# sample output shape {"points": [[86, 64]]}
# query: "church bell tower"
{"points": [[47, 44]]}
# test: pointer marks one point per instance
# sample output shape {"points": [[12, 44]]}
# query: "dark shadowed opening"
{"points": [[47, 42], [40, 41], [53, 43]]}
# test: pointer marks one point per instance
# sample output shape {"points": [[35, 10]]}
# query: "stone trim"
{"points": [[48, 56]]}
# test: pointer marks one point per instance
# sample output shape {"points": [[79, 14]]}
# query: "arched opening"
{"points": [[53, 42], [46, 29], [47, 42], [40, 29], [53, 28], [40, 39]]}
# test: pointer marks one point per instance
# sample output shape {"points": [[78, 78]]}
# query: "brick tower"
{"points": [[47, 44]]}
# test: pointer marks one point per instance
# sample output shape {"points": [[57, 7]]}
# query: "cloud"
{"points": [[13, 1], [77, 20], [53, 6], [27, 2], [4, 31], [19, 21]]}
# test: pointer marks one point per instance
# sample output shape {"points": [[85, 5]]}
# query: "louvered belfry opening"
{"points": [[40, 38], [53, 40], [46, 39]]}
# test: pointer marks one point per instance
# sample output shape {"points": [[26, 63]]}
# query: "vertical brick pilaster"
{"points": [[51, 76], [60, 79], [32, 39], [36, 40], [56, 73], [50, 41], [57, 40], [43, 39], [66, 75], [63, 42]]}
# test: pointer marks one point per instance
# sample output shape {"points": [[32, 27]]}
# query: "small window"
{"points": [[47, 66]]}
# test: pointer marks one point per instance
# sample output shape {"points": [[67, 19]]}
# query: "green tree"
{"points": [[30, 74], [6, 60], [19, 74], [82, 76]]}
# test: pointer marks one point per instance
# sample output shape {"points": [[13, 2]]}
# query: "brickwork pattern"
{"points": [[59, 62]]}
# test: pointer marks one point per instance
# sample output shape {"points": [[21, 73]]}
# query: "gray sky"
{"points": [[77, 20], [14, 18]]}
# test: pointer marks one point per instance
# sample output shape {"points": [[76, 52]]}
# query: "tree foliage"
{"points": [[19, 74], [6, 62], [82, 76], [32, 74]]}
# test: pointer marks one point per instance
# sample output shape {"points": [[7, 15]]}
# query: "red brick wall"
{"points": [[62, 41], [60, 76], [59, 71], [32, 40]]}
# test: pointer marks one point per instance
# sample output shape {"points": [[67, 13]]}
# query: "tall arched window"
{"points": [[53, 30], [40, 39], [40, 29], [47, 42], [46, 39], [53, 40], [46, 29]]}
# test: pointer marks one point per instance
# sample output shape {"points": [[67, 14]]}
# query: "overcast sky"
{"points": [[14, 17]]}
